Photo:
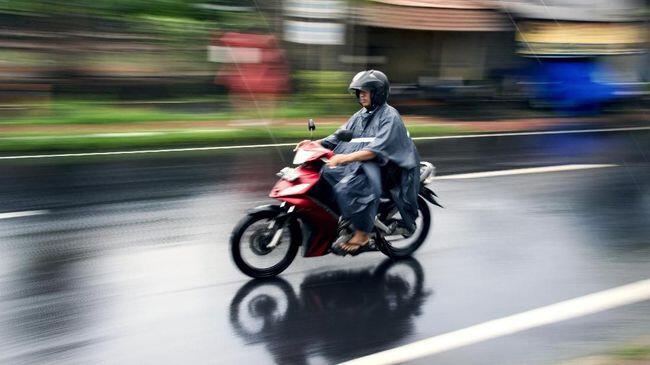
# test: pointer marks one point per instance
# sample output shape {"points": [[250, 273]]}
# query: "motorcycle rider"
{"points": [[381, 156]]}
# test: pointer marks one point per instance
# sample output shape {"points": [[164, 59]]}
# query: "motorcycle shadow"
{"points": [[337, 314]]}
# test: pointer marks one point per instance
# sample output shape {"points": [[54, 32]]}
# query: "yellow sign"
{"points": [[579, 38]]}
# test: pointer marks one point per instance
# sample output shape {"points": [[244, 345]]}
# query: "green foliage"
{"points": [[322, 82], [102, 8], [640, 352], [129, 10], [75, 112], [181, 138], [324, 92], [117, 127]]}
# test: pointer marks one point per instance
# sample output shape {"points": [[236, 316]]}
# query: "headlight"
{"points": [[288, 174]]}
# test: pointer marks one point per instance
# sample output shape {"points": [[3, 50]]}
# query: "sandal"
{"points": [[336, 246], [360, 247]]}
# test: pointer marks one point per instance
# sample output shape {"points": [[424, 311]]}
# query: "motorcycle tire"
{"points": [[402, 252], [255, 272]]}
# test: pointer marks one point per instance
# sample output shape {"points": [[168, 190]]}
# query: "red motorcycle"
{"points": [[267, 239]]}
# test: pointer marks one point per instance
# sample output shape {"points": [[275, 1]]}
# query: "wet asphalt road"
{"points": [[129, 261]]}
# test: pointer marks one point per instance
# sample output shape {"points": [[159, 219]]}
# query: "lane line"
{"points": [[145, 151], [512, 134], [529, 170], [216, 148], [589, 304], [120, 134], [27, 213]]}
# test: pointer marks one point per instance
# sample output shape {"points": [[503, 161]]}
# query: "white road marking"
{"points": [[27, 213], [511, 134], [120, 134], [530, 170], [145, 151], [562, 311], [487, 135]]}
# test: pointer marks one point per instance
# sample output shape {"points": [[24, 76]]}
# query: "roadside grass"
{"points": [[80, 112], [56, 126], [25, 142], [636, 352], [633, 352]]}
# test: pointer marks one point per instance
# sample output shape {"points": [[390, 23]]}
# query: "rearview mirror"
{"points": [[344, 135]]}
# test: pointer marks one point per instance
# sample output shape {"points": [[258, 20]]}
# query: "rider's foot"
{"points": [[357, 241]]}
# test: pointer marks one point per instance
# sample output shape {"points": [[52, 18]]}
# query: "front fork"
{"points": [[279, 224]]}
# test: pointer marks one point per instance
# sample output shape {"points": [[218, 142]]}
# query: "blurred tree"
{"points": [[102, 8]]}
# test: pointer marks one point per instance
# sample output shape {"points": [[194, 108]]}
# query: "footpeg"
{"points": [[382, 227], [404, 232]]}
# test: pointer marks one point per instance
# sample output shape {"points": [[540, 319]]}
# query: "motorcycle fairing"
{"points": [[308, 178], [321, 225]]}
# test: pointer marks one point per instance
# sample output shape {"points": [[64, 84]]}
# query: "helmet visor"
{"points": [[355, 89]]}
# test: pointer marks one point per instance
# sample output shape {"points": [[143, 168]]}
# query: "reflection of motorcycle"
{"points": [[336, 313], [266, 240]]}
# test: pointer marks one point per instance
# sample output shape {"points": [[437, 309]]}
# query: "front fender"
{"points": [[428, 195], [265, 208], [282, 217]]}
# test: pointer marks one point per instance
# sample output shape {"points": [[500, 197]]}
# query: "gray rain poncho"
{"points": [[358, 185]]}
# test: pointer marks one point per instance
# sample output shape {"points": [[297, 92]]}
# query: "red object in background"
{"points": [[268, 73]]}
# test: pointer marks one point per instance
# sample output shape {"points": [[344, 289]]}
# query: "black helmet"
{"points": [[373, 81]]}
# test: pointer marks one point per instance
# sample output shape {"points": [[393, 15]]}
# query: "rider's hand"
{"points": [[300, 144], [336, 160]]}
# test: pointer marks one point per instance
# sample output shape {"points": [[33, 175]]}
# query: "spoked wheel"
{"points": [[398, 246], [250, 245]]}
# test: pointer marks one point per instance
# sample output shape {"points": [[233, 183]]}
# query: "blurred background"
{"points": [[124, 257], [113, 64]]}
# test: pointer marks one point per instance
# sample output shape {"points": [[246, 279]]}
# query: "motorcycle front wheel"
{"points": [[249, 245], [397, 247]]}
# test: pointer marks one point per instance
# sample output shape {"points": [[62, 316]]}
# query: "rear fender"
{"points": [[428, 195]]}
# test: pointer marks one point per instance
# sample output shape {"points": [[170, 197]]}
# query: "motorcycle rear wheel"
{"points": [[239, 240], [397, 252]]}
